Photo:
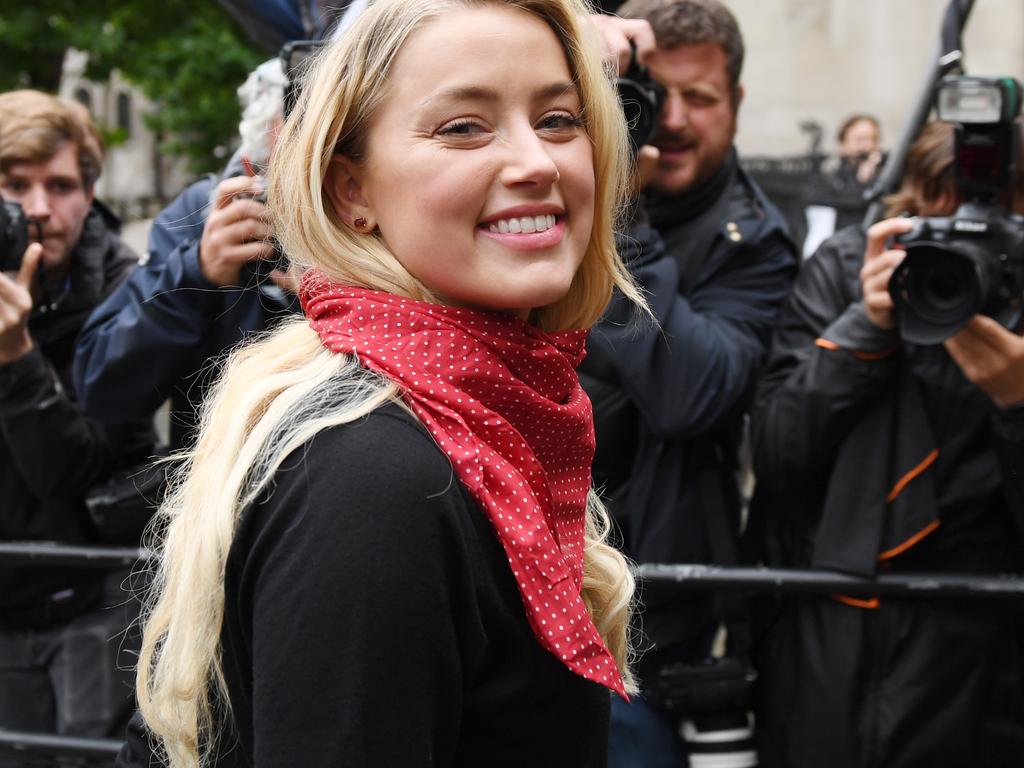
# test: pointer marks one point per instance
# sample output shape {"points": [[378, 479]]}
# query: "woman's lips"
{"points": [[525, 241]]}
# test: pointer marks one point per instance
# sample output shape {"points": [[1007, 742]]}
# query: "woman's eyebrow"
{"points": [[489, 94]]}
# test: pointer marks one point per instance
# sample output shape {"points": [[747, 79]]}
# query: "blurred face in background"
{"points": [[698, 118], [52, 193], [862, 138]]}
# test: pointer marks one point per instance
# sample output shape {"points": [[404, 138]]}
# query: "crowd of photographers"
{"points": [[883, 421]]}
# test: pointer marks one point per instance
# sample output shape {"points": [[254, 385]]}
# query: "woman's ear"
{"points": [[346, 194]]}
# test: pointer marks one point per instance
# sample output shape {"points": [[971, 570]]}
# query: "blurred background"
{"points": [[160, 77]]}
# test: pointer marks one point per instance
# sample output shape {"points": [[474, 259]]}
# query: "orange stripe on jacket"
{"points": [[901, 548], [868, 603], [866, 356], [904, 481]]}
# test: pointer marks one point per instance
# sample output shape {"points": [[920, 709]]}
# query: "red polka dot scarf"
{"points": [[503, 401]]}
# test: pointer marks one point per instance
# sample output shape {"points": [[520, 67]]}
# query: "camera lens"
{"points": [[939, 289], [14, 236], [722, 740]]}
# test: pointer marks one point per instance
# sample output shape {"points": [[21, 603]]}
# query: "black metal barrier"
{"points": [[43, 750], [49, 553], [38, 750], [920, 585]]}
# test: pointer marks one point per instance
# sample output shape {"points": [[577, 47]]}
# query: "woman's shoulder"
{"points": [[377, 476], [388, 442]]}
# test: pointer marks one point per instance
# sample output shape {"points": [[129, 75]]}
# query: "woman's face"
{"points": [[478, 171]]}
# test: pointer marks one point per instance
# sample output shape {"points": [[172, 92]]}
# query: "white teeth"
{"points": [[525, 224]]}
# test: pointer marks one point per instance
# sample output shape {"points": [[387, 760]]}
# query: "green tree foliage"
{"points": [[187, 56]]}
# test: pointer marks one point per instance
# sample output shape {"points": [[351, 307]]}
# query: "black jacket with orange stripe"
{"points": [[870, 452], [875, 455]]}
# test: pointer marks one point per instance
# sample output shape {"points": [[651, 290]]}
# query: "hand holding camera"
{"points": [[880, 261], [236, 232], [992, 358], [16, 306]]}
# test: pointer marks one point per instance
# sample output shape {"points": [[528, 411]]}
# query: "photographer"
{"points": [[208, 281], [669, 399], [60, 628], [860, 151], [876, 454]]}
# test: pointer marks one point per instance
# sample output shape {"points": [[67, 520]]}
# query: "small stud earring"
{"points": [[360, 223]]}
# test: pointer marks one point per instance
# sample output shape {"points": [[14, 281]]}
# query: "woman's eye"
{"points": [[560, 121], [460, 128]]}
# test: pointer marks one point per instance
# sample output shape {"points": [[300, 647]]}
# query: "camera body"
{"points": [[973, 261], [16, 232], [641, 98], [956, 267]]}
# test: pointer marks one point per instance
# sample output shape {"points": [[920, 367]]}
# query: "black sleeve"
{"points": [[57, 450], [689, 370], [826, 364], [359, 583], [1009, 436]]}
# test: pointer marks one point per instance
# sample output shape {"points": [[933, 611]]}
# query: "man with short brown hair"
{"points": [[60, 627], [715, 259]]}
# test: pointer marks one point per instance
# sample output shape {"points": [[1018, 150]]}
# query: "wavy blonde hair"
{"points": [[277, 393]]}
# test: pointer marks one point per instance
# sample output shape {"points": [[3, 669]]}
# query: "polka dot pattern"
{"points": [[502, 400]]}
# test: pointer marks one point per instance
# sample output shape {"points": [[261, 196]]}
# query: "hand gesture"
{"points": [[879, 263], [992, 358], [617, 34], [236, 231], [16, 306]]}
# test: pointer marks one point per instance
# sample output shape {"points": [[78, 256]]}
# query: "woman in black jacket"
{"points": [[384, 549]]}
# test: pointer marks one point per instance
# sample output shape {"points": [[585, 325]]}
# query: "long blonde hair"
{"points": [[276, 394]]}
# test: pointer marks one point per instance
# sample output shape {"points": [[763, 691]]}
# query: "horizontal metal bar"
{"points": [[51, 553], [51, 744], [925, 585]]}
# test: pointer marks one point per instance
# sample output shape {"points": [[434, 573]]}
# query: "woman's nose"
{"points": [[530, 160]]}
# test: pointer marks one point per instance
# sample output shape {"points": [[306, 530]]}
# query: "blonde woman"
{"points": [[384, 549]]}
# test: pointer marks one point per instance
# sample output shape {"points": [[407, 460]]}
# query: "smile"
{"points": [[523, 224]]}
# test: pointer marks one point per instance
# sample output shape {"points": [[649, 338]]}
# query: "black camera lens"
{"points": [[15, 236], [938, 289], [641, 98]]}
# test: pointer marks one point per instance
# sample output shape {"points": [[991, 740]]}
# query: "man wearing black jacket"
{"points": [[59, 629], [875, 455], [715, 259]]}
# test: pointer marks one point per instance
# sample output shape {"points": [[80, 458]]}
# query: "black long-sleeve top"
{"points": [[372, 619]]}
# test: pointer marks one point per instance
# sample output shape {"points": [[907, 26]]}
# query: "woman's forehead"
{"points": [[466, 48]]}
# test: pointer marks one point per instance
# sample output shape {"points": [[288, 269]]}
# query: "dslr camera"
{"points": [[16, 232], [973, 261], [641, 98]]}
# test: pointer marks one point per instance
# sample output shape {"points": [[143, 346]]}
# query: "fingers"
{"points": [[237, 210], [229, 190], [874, 280], [992, 358], [233, 235], [287, 281], [646, 165], [618, 33], [879, 235], [29, 265]]}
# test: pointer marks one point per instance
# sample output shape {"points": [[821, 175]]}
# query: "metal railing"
{"points": [[42, 750], [38, 749]]}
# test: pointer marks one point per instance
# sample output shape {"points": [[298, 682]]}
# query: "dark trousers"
{"points": [[907, 684], [75, 678]]}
